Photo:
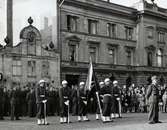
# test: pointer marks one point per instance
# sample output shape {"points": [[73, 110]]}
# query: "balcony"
{"points": [[106, 67]]}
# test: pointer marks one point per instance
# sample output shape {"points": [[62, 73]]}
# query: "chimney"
{"points": [[10, 22]]}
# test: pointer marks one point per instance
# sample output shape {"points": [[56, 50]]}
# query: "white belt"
{"points": [[107, 95]]}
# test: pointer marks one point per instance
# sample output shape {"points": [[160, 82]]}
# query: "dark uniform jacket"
{"points": [[107, 92], [64, 95], [40, 94]]}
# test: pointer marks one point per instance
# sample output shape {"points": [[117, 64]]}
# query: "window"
{"points": [[159, 58], [112, 55], [71, 23], [92, 26], [150, 33], [31, 44], [93, 53], [31, 68], [111, 30], [149, 59], [129, 55], [129, 33], [45, 69], [161, 37], [17, 67], [72, 52]]}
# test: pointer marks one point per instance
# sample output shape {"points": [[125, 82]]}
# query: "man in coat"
{"points": [[14, 101], [153, 98]]}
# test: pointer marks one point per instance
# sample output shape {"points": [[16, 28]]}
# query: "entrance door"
{"points": [[72, 79]]}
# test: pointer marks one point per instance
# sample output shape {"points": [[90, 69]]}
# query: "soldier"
{"points": [[30, 98], [153, 97], [40, 94], [116, 99], [106, 91], [64, 96], [14, 101], [83, 100]]}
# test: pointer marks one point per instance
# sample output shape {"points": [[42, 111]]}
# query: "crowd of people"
{"points": [[107, 102]]}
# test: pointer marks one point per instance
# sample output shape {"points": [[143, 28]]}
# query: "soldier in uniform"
{"points": [[83, 100], [40, 94], [106, 91], [14, 101], [116, 100], [153, 98], [65, 97]]}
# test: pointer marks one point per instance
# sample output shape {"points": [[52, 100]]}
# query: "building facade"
{"points": [[127, 44], [29, 61]]}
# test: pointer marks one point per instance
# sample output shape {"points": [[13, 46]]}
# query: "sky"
{"points": [[39, 9]]}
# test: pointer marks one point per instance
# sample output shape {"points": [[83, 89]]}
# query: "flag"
{"points": [[91, 77]]}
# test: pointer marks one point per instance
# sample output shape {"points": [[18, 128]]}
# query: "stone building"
{"points": [[125, 43], [29, 61]]}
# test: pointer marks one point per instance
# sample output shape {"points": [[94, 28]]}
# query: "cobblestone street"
{"points": [[137, 121]]}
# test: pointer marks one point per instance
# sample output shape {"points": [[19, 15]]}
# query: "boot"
{"points": [[65, 119], [112, 116], [61, 120], [85, 118], [97, 116], [42, 122], [79, 118], [39, 121]]}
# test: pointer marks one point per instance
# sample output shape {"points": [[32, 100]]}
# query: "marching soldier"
{"points": [[106, 91], [40, 94], [116, 99], [153, 97], [83, 99], [14, 101], [65, 96]]}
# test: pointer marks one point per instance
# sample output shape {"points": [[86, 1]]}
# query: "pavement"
{"points": [[130, 121]]}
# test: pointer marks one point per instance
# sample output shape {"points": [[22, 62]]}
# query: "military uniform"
{"points": [[106, 91], [153, 97], [116, 101], [83, 104], [40, 97], [65, 97], [14, 101]]}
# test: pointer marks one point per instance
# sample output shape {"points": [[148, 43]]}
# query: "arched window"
{"points": [[159, 58], [149, 59]]}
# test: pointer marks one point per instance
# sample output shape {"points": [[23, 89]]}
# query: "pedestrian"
{"points": [[14, 101], [30, 98], [1, 102], [153, 97]]}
